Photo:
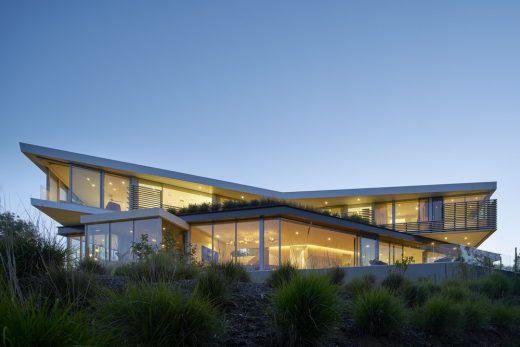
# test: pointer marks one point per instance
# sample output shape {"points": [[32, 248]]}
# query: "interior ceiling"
{"points": [[461, 238], [64, 217]]}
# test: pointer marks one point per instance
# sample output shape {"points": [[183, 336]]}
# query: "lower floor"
{"points": [[262, 243]]}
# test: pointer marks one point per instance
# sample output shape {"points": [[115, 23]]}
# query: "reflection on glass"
{"points": [[122, 236], [224, 242], [310, 247], [271, 246], [86, 187], [201, 242], [368, 251], [97, 241], [415, 252], [248, 252], [52, 193], [74, 244], [363, 211], [58, 182], [172, 238], [116, 192], [149, 227], [406, 211]]}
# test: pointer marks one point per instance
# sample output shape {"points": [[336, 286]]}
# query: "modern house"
{"points": [[105, 205]]}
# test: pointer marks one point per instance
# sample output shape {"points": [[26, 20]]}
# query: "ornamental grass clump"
{"points": [[456, 291], [336, 275], [496, 285], [394, 281], [285, 273], [232, 272], [378, 312], [213, 286], [473, 315], [439, 315], [90, 265], [305, 310], [359, 285], [156, 315], [415, 294], [502, 316]]}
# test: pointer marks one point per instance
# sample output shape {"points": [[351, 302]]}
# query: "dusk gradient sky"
{"points": [[285, 95]]}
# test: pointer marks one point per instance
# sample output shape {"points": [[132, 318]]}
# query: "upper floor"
{"points": [[78, 184]]}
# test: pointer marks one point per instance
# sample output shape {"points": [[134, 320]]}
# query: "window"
{"points": [[406, 211], [86, 187], [414, 252], [310, 247], [173, 238], [383, 213], [271, 246], [248, 251], [180, 197], [97, 241], [75, 248], [363, 211], [368, 251], [201, 242], [149, 227], [116, 193], [58, 182], [52, 192], [224, 242], [121, 238]]}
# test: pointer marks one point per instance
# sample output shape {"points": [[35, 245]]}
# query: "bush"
{"points": [[161, 266], [213, 286], [496, 285], [415, 294], [439, 315], [155, 315], [336, 275], [306, 309], [30, 323], [359, 285], [502, 316], [285, 273], [393, 281], [473, 315], [89, 265], [378, 311], [455, 291], [232, 271]]}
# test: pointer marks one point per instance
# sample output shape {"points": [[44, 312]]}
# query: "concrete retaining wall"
{"points": [[436, 272]]}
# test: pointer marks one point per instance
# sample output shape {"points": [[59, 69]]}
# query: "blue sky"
{"points": [[300, 95]]}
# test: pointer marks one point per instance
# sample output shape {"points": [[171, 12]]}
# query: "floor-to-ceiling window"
{"points": [[86, 186], [121, 238], [224, 242], [271, 243], [115, 192], [406, 211], [179, 197], [149, 230], [383, 213], [248, 243], [368, 251], [98, 241], [201, 241], [58, 182], [364, 211]]}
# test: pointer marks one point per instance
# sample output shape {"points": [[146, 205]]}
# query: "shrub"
{"points": [[232, 271], [415, 294], [213, 286], [336, 275], [306, 309], [359, 285], [502, 316], [378, 311], [496, 285], [393, 281], [30, 323], [161, 266], [155, 315], [473, 315], [285, 273], [455, 291], [438, 315], [89, 265]]}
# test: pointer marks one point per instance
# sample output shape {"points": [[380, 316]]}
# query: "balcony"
{"points": [[459, 216]]}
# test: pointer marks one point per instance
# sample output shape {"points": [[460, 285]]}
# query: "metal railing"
{"points": [[458, 216]]}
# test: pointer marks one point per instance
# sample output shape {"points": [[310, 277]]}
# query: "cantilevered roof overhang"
{"points": [[39, 155], [65, 213]]}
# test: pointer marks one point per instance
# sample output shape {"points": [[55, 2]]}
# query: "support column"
{"points": [[279, 241], [261, 246]]}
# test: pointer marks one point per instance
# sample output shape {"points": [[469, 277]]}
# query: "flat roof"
{"points": [[135, 215], [225, 188]]}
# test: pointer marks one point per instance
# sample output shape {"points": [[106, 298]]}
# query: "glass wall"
{"points": [[368, 251], [121, 238], [201, 242], [180, 197], [389, 252], [173, 238], [86, 187], [115, 192], [383, 213], [364, 211], [58, 184], [149, 229], [224, 242], [406, 211], [76, 247], [248, 244], [271, 243], [97, 241], [310, 247]]}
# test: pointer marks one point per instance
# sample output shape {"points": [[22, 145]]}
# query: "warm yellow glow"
{"points": [[337, 250]]}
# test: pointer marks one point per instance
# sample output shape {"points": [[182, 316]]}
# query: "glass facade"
{"points": [[248, 244], [201, 242], [86, 187], [368, 251], [97, 241], [224, 249], [271, 243], [121, 238], [115, 192], [180, 197], [383, 213]]}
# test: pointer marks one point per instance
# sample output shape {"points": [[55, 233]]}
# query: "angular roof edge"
{"points": [[57, 154]]}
